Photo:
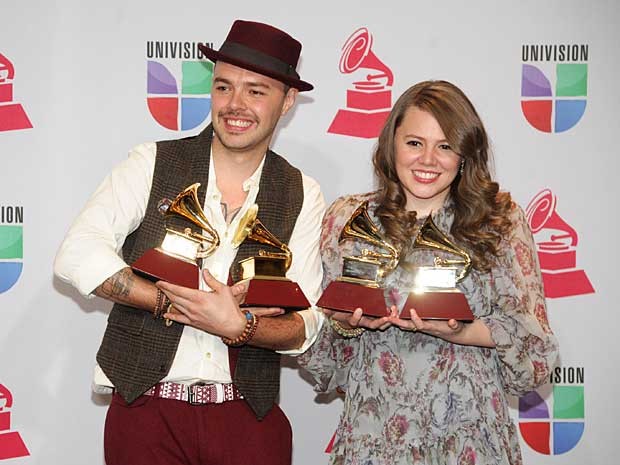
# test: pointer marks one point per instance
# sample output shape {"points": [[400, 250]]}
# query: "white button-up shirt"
{"points": [[90, 254]]}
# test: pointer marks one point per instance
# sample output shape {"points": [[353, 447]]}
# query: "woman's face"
{"points": [[425, 163]]}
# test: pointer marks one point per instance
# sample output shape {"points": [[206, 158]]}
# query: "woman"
{"points": [[424, 391]]}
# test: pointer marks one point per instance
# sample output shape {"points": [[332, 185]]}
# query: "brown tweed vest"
{"points": [[137, 351]]}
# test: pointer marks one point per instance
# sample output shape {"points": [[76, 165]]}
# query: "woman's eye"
{"points": [[445, 147], [414, 143]]}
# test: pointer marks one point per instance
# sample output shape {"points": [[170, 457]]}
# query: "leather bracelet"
{"points": [[251, 323], [161, 304], [344, 332]]}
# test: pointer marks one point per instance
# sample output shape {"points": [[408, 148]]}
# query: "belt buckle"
{"points": [[191, 393]]}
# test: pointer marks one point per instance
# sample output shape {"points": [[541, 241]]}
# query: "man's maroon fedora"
{"points": [[263, 49]]}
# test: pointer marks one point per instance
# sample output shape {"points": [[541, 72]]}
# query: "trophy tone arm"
{"points": [[127, 288]]}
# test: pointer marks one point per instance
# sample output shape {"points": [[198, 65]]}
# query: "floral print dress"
{"points": [[412, 398]]}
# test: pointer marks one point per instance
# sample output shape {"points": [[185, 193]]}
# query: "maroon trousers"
{"points": [[154, 431]]}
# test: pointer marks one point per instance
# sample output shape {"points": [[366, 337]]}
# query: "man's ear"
{"points": [[289, 100]]}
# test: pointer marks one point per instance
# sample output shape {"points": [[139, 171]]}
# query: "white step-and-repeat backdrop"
{"points": [[81, 82]]}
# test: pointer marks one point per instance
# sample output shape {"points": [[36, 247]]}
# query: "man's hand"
{"points": [[216, 312]]}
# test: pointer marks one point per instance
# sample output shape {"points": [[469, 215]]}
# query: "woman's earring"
{"points": [[462, 168]]}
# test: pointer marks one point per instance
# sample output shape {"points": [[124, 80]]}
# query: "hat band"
{"points": [[257, 58]]}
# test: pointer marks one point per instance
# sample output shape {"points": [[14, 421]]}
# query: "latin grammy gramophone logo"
{"points": [[370, 100], [12, 114], [556, 242], [11, 443]]}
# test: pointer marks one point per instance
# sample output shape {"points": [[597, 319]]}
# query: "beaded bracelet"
{"points": [[161, 304], [344, 332], [251, 323]]}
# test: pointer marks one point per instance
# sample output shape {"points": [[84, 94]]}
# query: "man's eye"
{"points": [[256, 92]]}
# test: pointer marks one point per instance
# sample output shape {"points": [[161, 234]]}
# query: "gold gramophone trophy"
{"points": [[265, 273], [176, 260], [434, 294], [362, 276]]}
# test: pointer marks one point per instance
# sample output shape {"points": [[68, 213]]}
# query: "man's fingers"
{"points": [[210, 281], [260, 311], [180, 303], [177, 318], [239, 289], [175, 290]]}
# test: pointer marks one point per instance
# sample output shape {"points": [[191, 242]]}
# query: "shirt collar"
{"points": [[248, 184]]}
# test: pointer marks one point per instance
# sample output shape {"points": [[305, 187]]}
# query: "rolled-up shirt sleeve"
{"points": [[90, 252], [306, 268], [526, 348]]}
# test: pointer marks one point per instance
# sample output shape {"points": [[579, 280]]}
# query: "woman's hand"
{"points": [[358, 320], [445, 329]]}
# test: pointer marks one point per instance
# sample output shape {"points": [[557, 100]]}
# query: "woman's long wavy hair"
{"points": [[481, 210]]}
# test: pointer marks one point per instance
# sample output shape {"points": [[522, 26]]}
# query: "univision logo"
{"points": [[554, 91], [178, 89], [11, 245], [554, 425]]}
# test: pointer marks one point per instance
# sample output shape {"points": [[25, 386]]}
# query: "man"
{"points": [[181, 396]]}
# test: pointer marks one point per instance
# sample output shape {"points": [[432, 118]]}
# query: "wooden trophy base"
{"points": [[281, 293], [156, 265], [346, 297], [438, 305]]}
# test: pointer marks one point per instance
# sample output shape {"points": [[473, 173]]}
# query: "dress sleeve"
{"points": [[328, 359], [525, 345]]}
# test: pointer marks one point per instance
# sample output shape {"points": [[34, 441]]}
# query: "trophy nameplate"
{"points": [[265, 274], [434, 295], [360, 283], [176, 260]]}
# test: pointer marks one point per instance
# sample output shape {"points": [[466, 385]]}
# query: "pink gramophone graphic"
{"points": [[369, 102], [12, 115], [557, 249], [11, 443]]}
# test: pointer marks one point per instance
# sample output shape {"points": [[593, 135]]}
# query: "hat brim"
{"points": [[214, 56]]}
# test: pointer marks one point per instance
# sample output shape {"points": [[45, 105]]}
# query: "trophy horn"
{"points": [[187, 205], [431, 237], [250, 227], [360, 226]]}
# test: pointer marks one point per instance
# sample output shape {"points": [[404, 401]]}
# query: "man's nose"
{"points": [[236, 100]]}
